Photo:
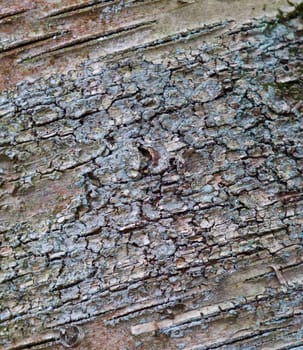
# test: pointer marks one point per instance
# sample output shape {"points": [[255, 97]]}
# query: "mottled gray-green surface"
{"points": [[138, 192]]}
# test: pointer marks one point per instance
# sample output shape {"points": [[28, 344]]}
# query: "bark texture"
{"points": [[157, 203]]}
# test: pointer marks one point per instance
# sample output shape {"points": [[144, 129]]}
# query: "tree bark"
{"points": [[151, 175]]}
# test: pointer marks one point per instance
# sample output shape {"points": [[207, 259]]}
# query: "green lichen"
{"points": [[296, 12], [291, 89], [283, 17]]}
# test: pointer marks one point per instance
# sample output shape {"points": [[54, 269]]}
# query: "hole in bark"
{"points": [[149, 158], [110, 139], [145, 160], [71, 337]]}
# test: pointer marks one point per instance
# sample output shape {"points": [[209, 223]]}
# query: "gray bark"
{"points": [[158, 205]]}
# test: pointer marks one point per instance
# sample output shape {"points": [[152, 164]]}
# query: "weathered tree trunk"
{"points": [[151, 175]]}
